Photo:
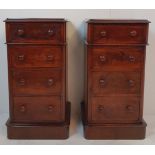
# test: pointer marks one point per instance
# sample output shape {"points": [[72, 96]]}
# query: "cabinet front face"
{"points": [[117, 33], [112, 57], [37, 82], [108, 83], [116, 109], [38, 109], [115, 60], [25, 32], [37, 70], [36, 56]]}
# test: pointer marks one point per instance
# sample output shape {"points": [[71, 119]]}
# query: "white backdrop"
{"points": [[75, 37]]}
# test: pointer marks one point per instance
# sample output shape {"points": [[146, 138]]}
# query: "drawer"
{"points": [[116, 58], [102, 83], [37, 109], [35, 56], [37, 82], [118, 33], [120, 109], [35, 32]]}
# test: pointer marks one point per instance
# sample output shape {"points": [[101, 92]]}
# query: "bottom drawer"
{"points": [[114, 109], [38, 109]]}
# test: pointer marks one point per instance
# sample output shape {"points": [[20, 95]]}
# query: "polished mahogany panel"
{"points": [[23, 32], [115, 109], [37, 109], [117, 33], [108, 83], [36, 56], [37, 82], [118, 58]]}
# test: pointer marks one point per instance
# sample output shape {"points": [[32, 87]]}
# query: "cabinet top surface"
{"points": [[36, 20], [117, 21]]}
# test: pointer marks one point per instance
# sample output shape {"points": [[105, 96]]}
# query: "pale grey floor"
{"points": [[76, 136]]}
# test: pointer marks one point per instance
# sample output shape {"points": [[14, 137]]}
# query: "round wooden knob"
{"points": [[50, 58], [131, 83], [22, 82], [20, 32], [132, 58], [133, 33], [50, 108], [50, 32], [102, 58], [21, 57], [102, 82], [129, 108], [100, 108], [50, 82], [22, 108], [103, 33]]}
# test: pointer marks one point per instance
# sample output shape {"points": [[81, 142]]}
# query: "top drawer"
{"points": [[23, 32], [113, 34]]}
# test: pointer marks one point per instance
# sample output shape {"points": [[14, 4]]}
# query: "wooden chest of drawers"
{"points": [[37, 79], [114, 80]]}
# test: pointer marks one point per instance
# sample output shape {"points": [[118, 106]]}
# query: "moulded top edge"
{"points": [[36, 20], [118, 21], [94, 44]]}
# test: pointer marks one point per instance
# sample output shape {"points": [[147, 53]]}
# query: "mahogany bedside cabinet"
{"points": [[37, 69], [114, 80]]}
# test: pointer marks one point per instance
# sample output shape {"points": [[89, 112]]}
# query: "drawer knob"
{"points": [[22, 82], [100, 108], [22, 108], [133, 33], [131, 83], [50, 108], [102, 58], [21, 57], [50, 82], [129, 108], [102, 82], [50, 58], [20, 32], [50, 32], [132, 58], [103, 33]]}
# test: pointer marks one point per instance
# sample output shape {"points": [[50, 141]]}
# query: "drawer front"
{"points": [[35, 56], [37, 82], [35, 32], [103, 83], [114, 109], [37, 109], [118, 33], [116, 58]]}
